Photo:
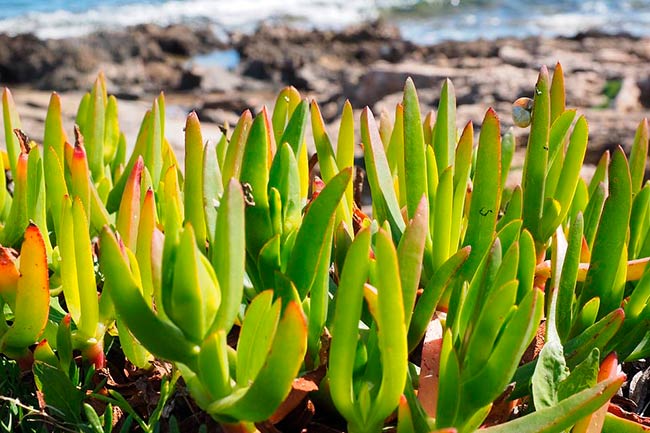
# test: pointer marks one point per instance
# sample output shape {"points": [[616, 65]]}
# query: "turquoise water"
{"points": [[425, 20], [228, 59]]}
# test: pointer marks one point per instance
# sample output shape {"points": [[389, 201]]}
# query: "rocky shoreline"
{"points": [[607, 75]]}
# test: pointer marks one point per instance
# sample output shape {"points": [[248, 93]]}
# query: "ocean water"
{"points": [[424, 21]]}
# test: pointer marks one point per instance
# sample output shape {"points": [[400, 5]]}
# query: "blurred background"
{"points": [[220, 57], [424, 21]]}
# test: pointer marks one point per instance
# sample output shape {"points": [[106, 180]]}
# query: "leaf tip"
{"points": [[543, 72], [193, 116]]}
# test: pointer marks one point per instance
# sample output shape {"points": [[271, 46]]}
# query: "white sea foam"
{"points": [[226, 14], [514, 18], [426, 21]]}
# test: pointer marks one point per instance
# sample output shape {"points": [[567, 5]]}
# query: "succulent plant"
{"points": [[250, 243]]}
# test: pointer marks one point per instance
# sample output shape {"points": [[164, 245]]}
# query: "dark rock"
{"points": [[233, 103], [122, 46], [181, 40], [279, 53], [131, 94], [190, 79], [367, 64], [644, 91], [177, 40], [72, 63], [218, 116], [454, 49], [594, 33], [23, 58], [161, 75], [383, 79], [257, 69]]}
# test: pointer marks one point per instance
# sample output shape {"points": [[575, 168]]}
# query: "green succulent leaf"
{"points": [[115, 196], [55, 185], [12, 122], [449, 390], [343, 347], [111, 130], [592, 213], [327, 158], [410, 252], [558, 95], [414, 150], [345, 147], [534, 174], [527, 262], [54, 135], [95, 126], [508, 146], [64, 344], [380, 178], [484, 387], [268, 261], [558, 134], [319, 301], [145, 243], [314, 239], [235, 149], [513, 208], [193, 186], [442, 226], [564, 414], [257, 401], [32, 303], [285, 177], [159, 336], [498, 307], [134, 352], [153, 156], [444, 143], [570, 173], [583, 376], [462, 169], [295, 131], [437, 285], [614, 423], [228, 256], [550, 371], [639, 155], [149, 146], [391, 330], [256, 336], [213, 189], [85, 271], [611, 236], [405, 422], [568, 278], [285, 104], [576, 349], [195, 296], [213, 365], [254, 178], [638, 218], [128, 215], [484, 206]]}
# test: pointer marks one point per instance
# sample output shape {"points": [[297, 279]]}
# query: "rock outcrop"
{"points": [[607, 75]]}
